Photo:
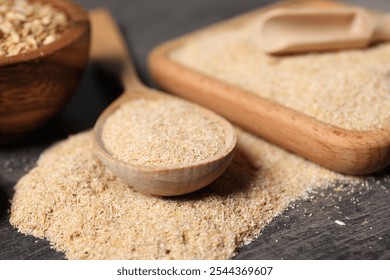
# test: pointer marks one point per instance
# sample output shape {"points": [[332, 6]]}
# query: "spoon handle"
{"points": [[109, 49]]}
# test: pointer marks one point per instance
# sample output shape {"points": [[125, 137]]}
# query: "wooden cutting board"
{"points": [[346, 151]]}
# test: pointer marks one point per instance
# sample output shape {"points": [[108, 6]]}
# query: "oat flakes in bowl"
{"points": [[43, 52]]}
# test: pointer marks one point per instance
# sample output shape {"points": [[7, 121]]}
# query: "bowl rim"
{"points": [[78, 25]]}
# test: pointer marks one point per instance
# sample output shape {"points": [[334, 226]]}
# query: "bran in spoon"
{"points": [[161, 132]]}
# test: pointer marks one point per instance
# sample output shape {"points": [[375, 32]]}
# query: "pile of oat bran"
{"points": [[84, 210]]}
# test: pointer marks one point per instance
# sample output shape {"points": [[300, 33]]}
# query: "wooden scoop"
{"points": [[109, 49], [304, 29]]}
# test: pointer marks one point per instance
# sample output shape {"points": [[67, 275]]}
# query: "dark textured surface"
{"points": [[305, 231]]}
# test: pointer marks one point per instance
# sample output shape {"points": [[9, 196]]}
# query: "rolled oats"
{"points": [[27, 25]]}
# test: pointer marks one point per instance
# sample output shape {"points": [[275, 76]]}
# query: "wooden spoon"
{"points": [[109, 49], [293, 30]]}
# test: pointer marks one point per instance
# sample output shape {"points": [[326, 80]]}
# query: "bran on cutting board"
{"points": [[349, 89]]}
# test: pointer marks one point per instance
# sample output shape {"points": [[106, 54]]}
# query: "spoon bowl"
{"points": [[109, 49]]}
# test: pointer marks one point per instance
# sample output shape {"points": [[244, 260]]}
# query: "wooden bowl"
{"points": [[34, 86]]}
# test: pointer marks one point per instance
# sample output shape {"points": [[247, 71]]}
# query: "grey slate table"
{"points": [[306, 231]]}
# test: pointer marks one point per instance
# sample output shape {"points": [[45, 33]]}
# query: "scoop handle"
{"points": [[109, 49], [382, 30]]}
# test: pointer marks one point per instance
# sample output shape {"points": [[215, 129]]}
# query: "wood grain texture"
{"points": [[295, 230], [34, 86], [351, 152]]}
